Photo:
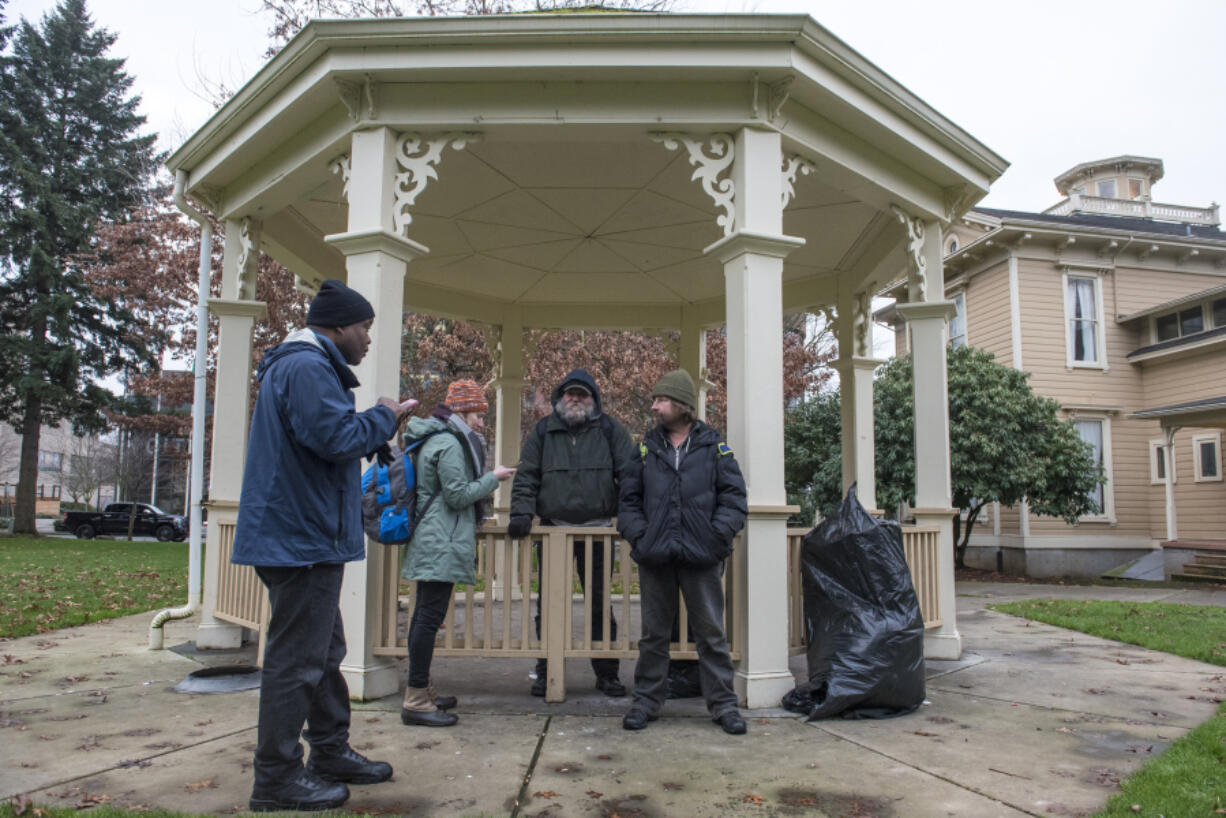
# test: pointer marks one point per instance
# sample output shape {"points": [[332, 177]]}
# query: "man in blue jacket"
{"points": [[299, 522]]}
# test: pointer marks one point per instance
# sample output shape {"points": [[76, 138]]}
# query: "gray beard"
{"points": [[574, 415]]}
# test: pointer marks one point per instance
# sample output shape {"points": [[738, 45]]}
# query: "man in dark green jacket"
{"points": [[569, 473], [682, 503]]}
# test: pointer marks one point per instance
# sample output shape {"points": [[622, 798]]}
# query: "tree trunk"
{"points": [[963, 538], [27, 473], [959, 549]]}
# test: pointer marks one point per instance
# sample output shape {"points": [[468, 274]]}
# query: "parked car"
{"points": [[150, 521]]}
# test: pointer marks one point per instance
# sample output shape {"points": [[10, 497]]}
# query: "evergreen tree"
{"points": [[70, 156]]}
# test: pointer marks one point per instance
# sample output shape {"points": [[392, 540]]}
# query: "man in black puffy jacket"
{"points": [[681, 505], [569, 471]]}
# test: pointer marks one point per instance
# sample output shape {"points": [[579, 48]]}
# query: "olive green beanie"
{"points": [[678, 386]]}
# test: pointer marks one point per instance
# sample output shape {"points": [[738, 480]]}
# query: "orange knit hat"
{"points": [[466, 396]]}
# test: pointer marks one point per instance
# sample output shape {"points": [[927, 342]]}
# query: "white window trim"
{"points": [[960, 295], [1155, 453], [1108, 513], [1205, 437], [1100, 334]]}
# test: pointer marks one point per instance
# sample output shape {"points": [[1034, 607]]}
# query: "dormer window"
{"points": [[1136, 188], [1106, 190], [1178, 324], [952, 246]]}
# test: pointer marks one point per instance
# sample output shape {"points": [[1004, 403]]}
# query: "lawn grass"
{"points": [[49, 582], [1187, 779], [1192, 631]]}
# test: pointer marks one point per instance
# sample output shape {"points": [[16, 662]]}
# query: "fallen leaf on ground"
{"points": [[756, 800], [206, 784], [545, 794]]}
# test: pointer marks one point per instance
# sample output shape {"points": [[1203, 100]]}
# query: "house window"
{"points": [[1106, 189], [1178, 324], [1083, 308], [957, 323], [1157, 463], [1097, 433], [1207, 456], [1219, 312], [50, 461], [1136, 188], [952, 246]]}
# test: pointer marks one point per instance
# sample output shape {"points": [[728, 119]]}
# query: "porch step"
{"points": [[1198, 578], [1205, 570], [1210, 559]]}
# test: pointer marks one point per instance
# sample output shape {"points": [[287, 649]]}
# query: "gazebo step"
{"points": [[1198, 578]]}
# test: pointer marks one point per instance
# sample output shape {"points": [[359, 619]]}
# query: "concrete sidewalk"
{"points": [[1034, 720]]}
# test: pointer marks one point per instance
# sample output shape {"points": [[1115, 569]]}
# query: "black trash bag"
{"points": [[866, 633]]}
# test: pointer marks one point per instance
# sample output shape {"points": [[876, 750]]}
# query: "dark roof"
{"points": [[1178, 342], [1113, 223], [1183, 408]]}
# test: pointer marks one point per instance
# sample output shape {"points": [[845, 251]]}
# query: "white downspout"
{"points": [[1168, 454], [196, 519]]}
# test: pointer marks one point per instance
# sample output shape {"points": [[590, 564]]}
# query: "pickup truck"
{"points": [[150, 521]]}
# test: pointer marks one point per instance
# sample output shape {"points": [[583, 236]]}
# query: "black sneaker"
{"points": [[350, 767], [611, 686], [306, 792], [732, 723], [538, 685], [637, 718]]}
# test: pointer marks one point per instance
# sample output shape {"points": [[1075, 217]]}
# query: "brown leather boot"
{"points": [[419, 709]]}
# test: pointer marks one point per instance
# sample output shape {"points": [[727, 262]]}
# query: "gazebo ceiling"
{"points": [[550, 219], [565, 195]]}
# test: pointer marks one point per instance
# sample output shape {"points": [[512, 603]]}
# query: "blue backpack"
{"points": [[389, 496]]}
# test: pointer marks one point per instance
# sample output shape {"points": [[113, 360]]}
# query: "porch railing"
{"points": [[494, 617]]}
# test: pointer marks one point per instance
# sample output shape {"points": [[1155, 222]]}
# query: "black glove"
{"points": [[383, 454], [519, 526]]}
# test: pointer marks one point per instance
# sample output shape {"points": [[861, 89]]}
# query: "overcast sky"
{"points": [[1047, 84]]}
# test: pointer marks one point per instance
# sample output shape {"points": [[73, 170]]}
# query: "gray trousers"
{"points": [[704, 602]]}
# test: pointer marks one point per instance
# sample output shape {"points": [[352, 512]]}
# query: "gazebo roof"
{"points": [[564, 200]]}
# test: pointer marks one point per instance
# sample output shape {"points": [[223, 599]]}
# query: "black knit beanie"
{"points": [[336, 305]]}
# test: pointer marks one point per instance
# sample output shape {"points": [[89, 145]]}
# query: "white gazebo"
{"points": [[638, 171]]}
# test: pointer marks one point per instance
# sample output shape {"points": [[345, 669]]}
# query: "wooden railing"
{"points": [[920, 545], [494, 616], [241, 597]]}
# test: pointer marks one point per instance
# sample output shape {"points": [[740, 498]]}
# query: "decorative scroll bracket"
{"points": [[793, 166], [712, 157], [777, 94], [248, 261], [342, 166], [917, 265], [419, 154], [358, 98], [862, 323]]}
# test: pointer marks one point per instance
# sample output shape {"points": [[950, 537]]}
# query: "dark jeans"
{"points": [[301, 680], [429, 611], [603, 668], [704, 602]]}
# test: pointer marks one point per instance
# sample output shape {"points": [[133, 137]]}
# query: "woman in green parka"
{"points": [[452, 485]]}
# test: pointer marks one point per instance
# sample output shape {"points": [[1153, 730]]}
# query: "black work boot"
{"points": [[610, 686], [350, 767], [637, 718], [305, 791], [541, 682]]}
